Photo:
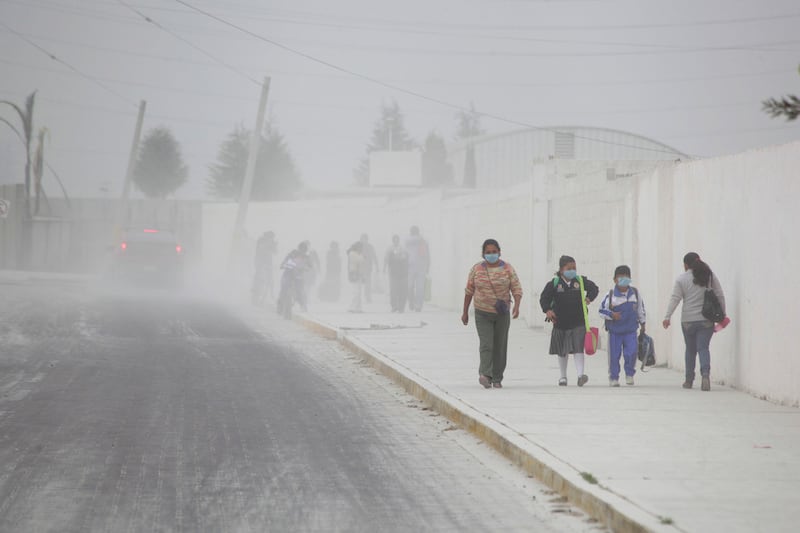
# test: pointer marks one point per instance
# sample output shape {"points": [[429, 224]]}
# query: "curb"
{"points": [[613, 511]]}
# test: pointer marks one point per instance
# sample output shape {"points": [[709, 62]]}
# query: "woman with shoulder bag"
{"points": [[691, 288], [491, 283]]}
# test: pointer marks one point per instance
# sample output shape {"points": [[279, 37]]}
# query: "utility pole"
{"points": [[122, 212], [247, 184]]}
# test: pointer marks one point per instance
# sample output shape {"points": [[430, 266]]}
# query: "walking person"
{"points": [[623, 312], [690, 287], [561, 301], [355, 274], [370, 266], [491, 284], [419, 264], [396, 264]]}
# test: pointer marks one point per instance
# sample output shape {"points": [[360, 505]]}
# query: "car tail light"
{"points": [[151, 231], [178, 248], [124, 246]]}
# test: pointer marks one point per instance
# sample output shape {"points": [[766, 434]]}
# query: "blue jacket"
{"points": [[629, 304]]}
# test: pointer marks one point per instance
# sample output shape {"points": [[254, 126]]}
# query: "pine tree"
{"points": [[436, 171], [159, 169], [276, 176]]}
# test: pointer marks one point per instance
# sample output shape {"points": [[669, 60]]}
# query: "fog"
{"points": [[132, 259], [684, 73]]}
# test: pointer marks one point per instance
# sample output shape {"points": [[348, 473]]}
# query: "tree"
{"points": [[436, 171], [469, 127], [276, 176], [469, 124], [788, 105], [159, 169], [389, 134]]}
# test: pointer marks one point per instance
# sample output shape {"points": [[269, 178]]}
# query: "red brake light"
{"points": [[124, 246], [178, 248], [151, 231]]}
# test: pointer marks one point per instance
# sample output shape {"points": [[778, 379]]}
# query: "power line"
{"points": [[68, 65], [390, 23], [402, 89], [190, 44]]}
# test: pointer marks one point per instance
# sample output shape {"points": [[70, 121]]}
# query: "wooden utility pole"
{"points": [[122, 212], [247, 184]]}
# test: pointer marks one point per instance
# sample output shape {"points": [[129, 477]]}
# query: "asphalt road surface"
{"points": [[151, 412]]}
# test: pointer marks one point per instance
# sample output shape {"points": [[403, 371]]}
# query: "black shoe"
{"points": [[562, 382], [687, 384], [582, 380]]}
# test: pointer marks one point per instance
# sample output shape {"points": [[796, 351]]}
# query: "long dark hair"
{"points": [[700, 270], [487, 242]]}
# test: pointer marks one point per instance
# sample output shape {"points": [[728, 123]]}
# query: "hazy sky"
{"points": [[690, 73]]}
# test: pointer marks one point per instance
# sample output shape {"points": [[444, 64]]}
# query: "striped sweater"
{"points": [[488, 284]]}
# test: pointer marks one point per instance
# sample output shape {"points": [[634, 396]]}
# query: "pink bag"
{"points": [[591, 341]]}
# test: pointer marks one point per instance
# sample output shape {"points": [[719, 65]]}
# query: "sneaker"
{"points": [[706, 384], [483, 380], [613, 383], [629, 380], [562, 382], [497, 385], [687, 384], [582, 379]]}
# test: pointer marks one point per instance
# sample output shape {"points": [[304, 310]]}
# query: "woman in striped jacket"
{"points": [[491, 284]]}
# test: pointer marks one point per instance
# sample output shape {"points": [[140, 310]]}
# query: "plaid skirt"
{"points": [[566, 341]]}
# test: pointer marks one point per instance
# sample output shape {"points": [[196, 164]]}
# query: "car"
{"points": [[149, 255]]}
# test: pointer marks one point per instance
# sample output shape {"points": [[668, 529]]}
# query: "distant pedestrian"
{"points": [[396, 264], [330, 289], [562, 305], [356, 266], [419, 264], [370, 266], [491, 284], [624, 314], [690, 287]]}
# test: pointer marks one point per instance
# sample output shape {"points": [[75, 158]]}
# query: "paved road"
{"points": [[149, 412]]}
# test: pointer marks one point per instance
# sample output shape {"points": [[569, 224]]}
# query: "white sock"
{"points": [[562, 364], [578, 363]]}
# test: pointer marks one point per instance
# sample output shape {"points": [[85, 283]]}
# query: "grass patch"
{"points": [[666, 520], [589, 477]]}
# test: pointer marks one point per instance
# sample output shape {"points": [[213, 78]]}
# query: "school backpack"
{"points": [[647, 350]]}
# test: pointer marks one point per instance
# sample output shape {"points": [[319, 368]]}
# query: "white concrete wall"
{"points": [[739, 213]]}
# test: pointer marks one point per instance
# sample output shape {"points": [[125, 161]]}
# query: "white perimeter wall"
{"points": [[740, 213]]}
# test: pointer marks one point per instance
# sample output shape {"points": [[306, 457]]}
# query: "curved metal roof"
{"points": [[663, 148]]}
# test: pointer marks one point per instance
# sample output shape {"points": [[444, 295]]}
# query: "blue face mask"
{"points": [[570, 274], [624, 282], [491, 258]]}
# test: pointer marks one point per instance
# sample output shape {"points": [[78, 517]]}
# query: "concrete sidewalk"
{"points": [[649, 457]]}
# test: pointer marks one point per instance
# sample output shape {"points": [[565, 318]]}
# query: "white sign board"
{"points": [[395, 169], [5, 205]]}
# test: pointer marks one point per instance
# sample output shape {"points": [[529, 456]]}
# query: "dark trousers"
{"points": [[493, 335], [398, 290]]}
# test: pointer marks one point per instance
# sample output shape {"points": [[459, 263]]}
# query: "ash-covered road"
{"points": [[151, 412]]}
